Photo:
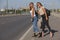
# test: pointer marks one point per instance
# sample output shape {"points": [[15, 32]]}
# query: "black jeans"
{"points": [[45, 23]]}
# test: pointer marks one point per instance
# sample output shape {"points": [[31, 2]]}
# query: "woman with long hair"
{"points": [[45, 18], [34, 19]]}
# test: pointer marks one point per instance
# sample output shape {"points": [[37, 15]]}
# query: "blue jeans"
{"points": [[35, 27]]}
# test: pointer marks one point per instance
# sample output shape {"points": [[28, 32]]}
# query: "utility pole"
{"points": [[6, 6], [26, 5]]}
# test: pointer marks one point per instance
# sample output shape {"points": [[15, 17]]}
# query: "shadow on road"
{"points": [[53, 31]]}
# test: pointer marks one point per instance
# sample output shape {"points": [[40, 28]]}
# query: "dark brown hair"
{"points": [[30, 4], [40, 3]]}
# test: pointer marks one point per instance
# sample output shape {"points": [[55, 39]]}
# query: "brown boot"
{"points": [[39, 35], [35, 35]]}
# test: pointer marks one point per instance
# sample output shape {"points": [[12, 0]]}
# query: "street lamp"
{"points": [[6, 6]]}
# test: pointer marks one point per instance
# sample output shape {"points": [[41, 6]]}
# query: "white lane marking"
{"points": [[26, 33]]}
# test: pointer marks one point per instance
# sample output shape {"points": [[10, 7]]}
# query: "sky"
{"points": [[51, 4]]}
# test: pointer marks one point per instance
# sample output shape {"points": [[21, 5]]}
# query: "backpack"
{"points": [[48, 12]]}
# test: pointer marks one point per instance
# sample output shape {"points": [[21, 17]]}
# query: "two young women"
{"points": [[41, 11]]}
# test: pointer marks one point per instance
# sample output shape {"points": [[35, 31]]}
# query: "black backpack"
{"points": [[48, 12]]}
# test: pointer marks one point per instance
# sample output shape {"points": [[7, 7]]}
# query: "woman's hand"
{"points": [[32, 19], [46, 18]]}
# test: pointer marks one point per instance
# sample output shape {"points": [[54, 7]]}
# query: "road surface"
{"points": [[13, 27], [55, 26]]}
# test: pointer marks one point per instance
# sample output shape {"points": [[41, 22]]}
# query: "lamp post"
{"points": [[6, 6], [26, 5]]}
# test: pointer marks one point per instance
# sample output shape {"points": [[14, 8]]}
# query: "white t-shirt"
{"points": [[41, 11], [31, 13]]}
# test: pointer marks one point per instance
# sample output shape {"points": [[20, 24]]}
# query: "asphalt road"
{"points": [[13, 27], [54, 23]]}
